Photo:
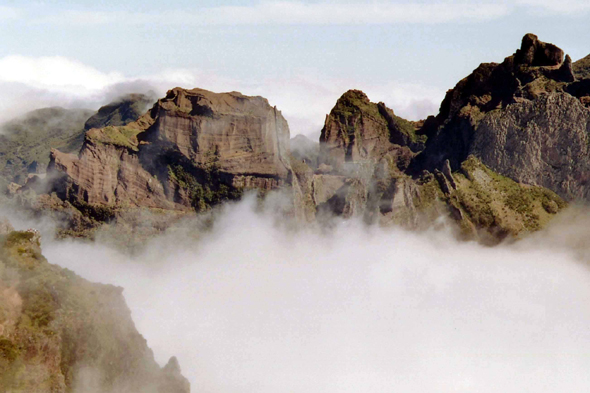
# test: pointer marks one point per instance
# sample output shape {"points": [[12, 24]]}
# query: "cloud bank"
{"points": [[314, 13], [28, 83], [253, 307]]}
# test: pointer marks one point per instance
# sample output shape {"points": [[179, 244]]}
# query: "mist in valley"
{"points": [[254, 305]]}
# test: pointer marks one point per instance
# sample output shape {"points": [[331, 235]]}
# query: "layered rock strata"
{"points": [[191, 150]]}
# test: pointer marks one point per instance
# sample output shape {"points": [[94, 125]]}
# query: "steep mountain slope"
{"points": [[524, 118], [193, 149], [25, 142], [120, 112], [582, 68], [59, 332], [508, 138], [369, 176]]}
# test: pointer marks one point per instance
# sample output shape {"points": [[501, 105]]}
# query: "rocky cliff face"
{"points": [[520, 125], [191, 150], [524, 118], [357, 129], [61, 333], [369, 175]]}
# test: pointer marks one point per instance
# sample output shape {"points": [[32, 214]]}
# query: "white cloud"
{"points": [[28, 83], [55, 73], [7, 13], [290, 12], [562, 7], [255, 308]]}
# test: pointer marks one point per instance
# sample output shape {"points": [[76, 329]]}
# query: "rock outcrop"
{"points": [[543, 142], [60, 333], [191, 150], [365, 171], [516, 127], [524, 118], [357, 130]]}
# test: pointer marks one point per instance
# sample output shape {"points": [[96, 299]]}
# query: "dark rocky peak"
{"points": [[536, 69], [535, 53]]}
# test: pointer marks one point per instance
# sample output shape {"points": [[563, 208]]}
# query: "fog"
{"points": [[258, 306]]}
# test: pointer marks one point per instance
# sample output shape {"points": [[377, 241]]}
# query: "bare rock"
{"points": [[543, 142], [537, 53], [193, 149], [358, 130]]}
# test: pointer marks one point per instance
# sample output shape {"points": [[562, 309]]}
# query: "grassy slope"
{"points": [[53, 321], [30, 138], [485, 200]]}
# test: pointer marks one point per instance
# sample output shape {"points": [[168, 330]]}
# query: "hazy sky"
{"points": [[302, 55]]}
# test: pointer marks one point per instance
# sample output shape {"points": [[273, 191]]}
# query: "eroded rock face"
{"points": [[365, 172], [537, 53], [524, 118], [542, 142], [358, 130], [192, 149]]}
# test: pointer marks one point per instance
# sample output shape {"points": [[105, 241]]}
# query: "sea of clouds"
{"points": [[254, 305]]}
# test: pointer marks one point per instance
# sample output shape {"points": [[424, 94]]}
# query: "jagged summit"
{"points": [[510, 132], [517, 116], [535, 53]]}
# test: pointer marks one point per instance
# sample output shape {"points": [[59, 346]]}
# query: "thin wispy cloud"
{"points": [[9, 13], [564, 7], [293, 13], [28, 83]]}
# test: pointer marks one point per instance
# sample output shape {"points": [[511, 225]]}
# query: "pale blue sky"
{"points": [[422, 47]]}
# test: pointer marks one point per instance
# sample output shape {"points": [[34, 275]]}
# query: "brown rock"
{"points": [[533, 52], [357, 130], [192, 149]]}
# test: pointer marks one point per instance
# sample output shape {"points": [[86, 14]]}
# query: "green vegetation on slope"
{"points": [[53, 322], [203, 184], [25, 142], [500, 204], [582, 68]]}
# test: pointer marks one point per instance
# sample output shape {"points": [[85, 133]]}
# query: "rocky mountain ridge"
{"points": [[193, 149], [507, 139]]}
